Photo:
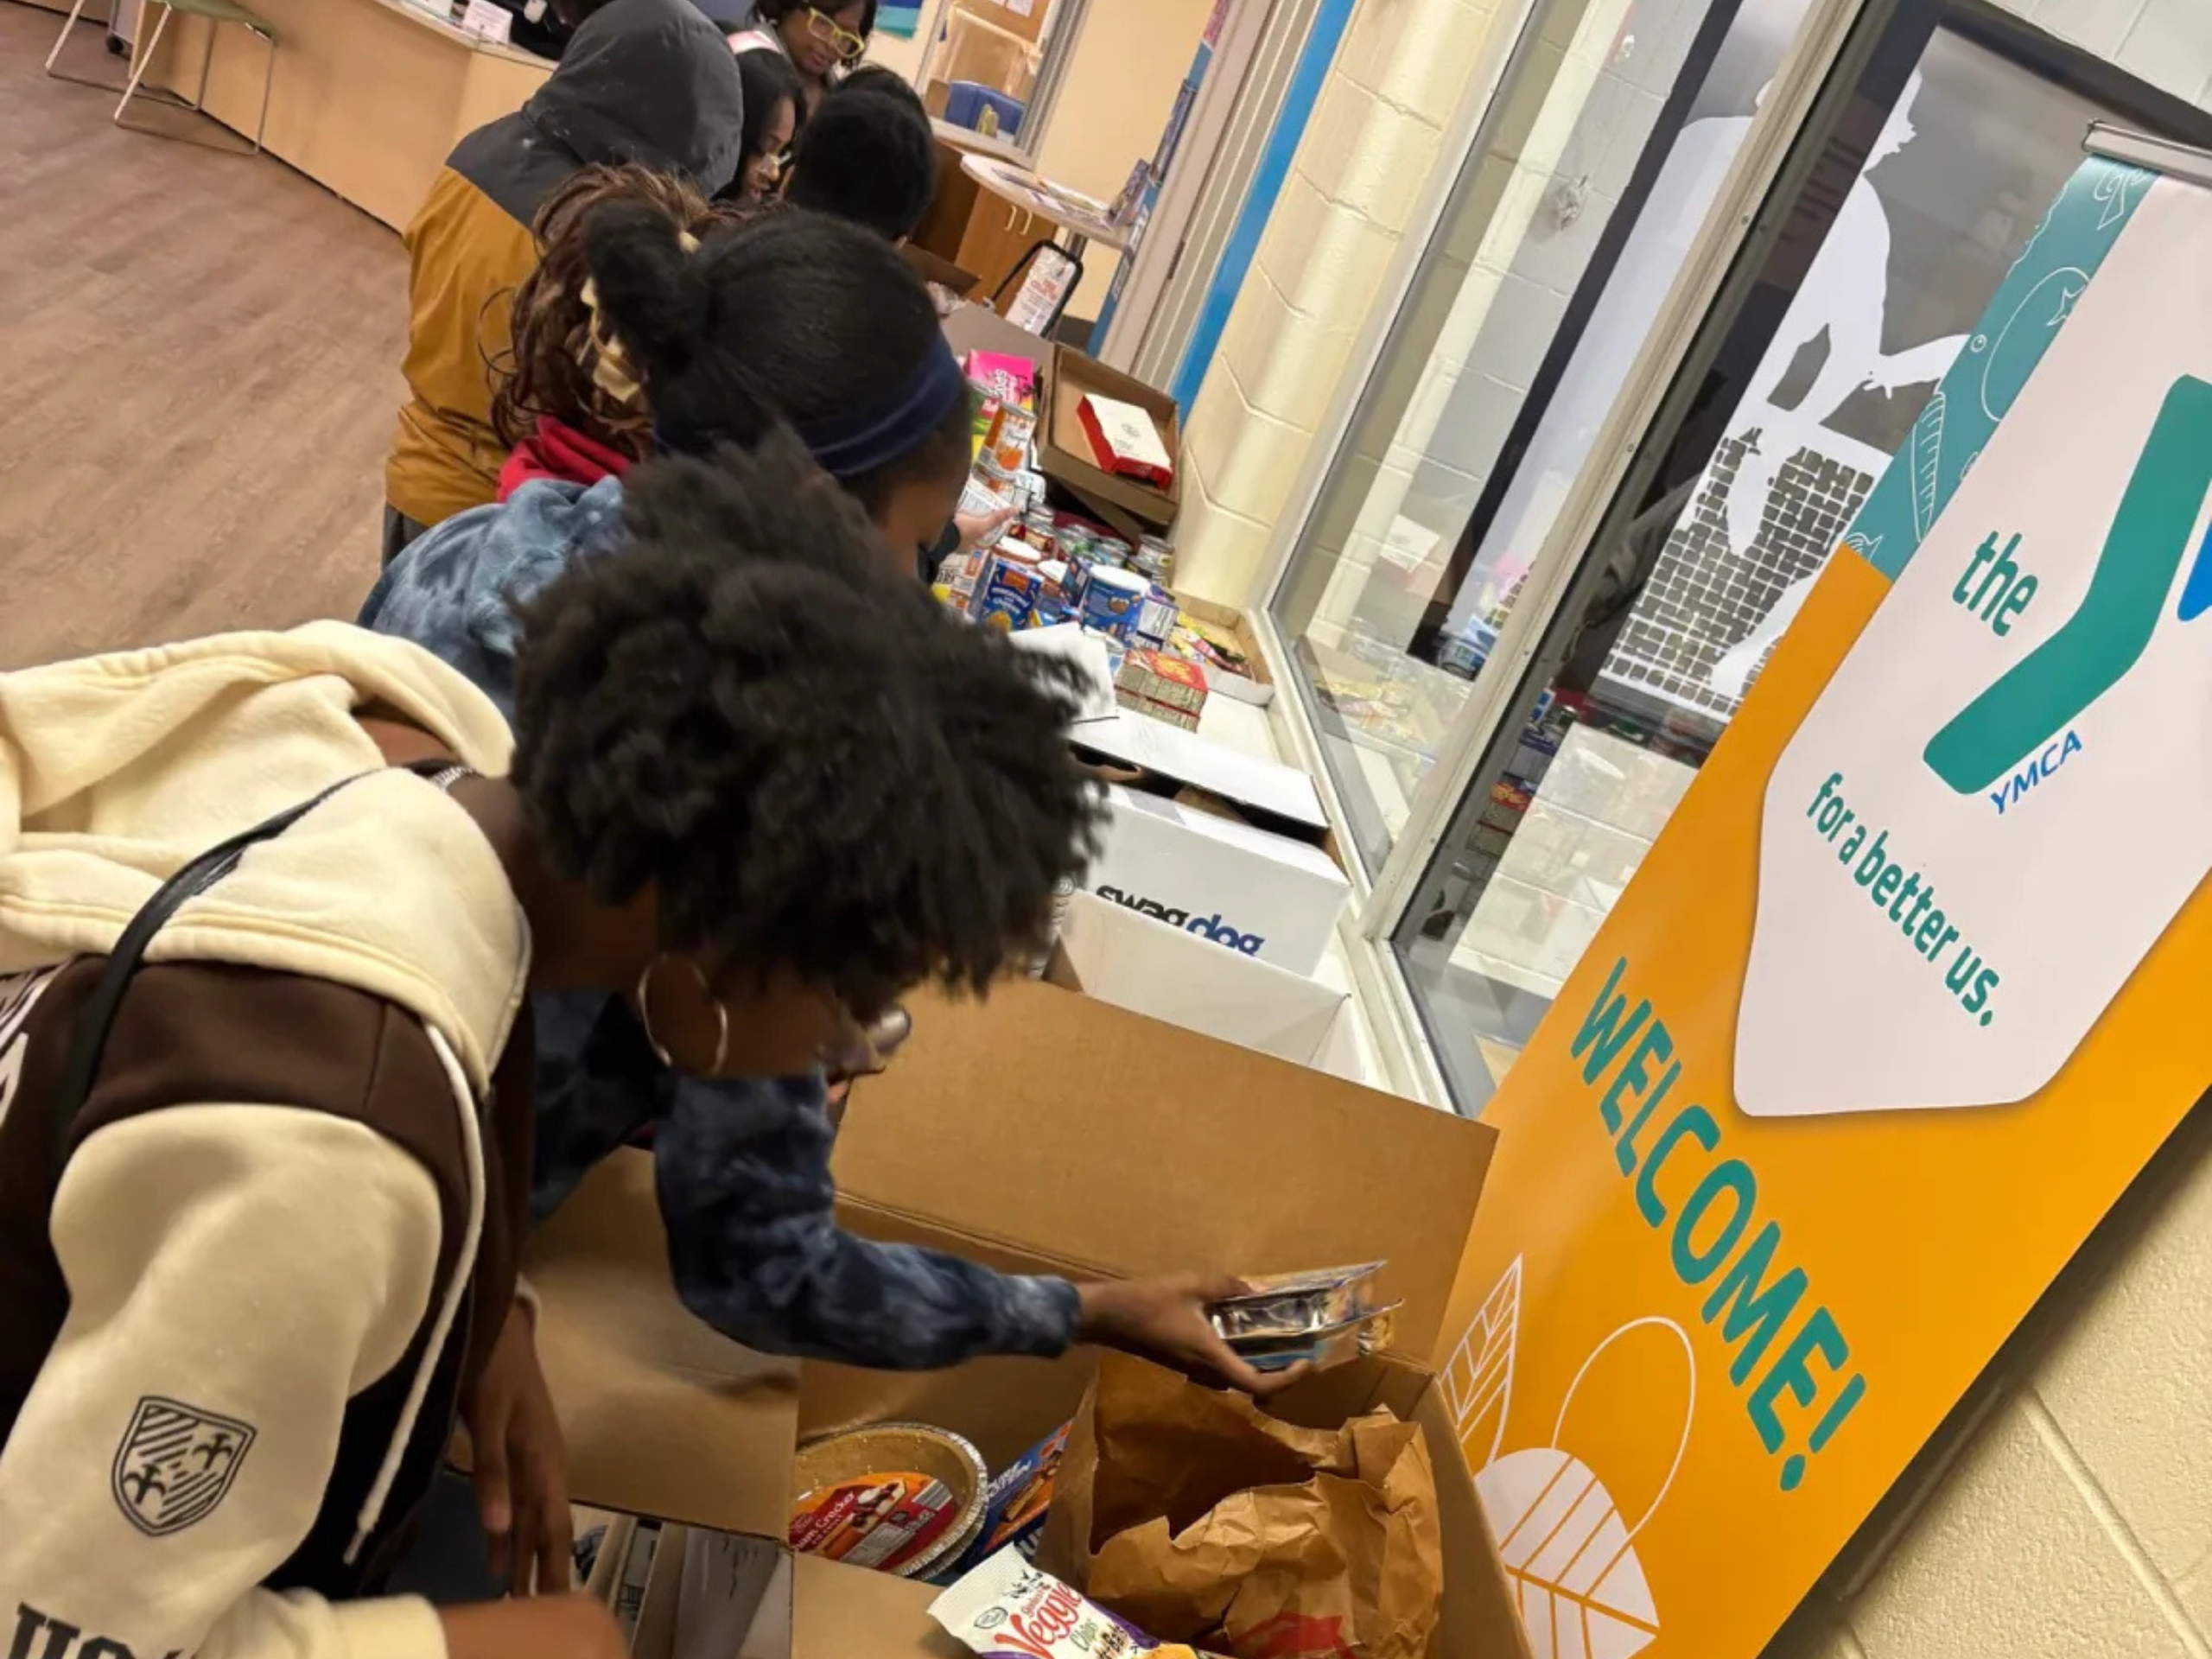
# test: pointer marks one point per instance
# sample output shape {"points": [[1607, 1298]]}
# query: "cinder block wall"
{"points": [[2067, 1511], [1375, 137]]}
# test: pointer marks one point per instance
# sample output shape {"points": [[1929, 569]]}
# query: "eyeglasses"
{"points": [[861, 1050], [824, 27]]}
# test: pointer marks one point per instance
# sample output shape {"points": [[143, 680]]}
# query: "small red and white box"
{"points": [[1125, 440]]}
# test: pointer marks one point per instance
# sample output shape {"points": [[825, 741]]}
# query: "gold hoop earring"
{"points": [[645, 1014]]}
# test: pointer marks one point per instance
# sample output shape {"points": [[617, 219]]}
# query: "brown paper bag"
{"points": [[1201, 1519]]}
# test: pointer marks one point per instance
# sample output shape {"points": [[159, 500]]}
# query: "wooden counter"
{"points": [[370, 96]]}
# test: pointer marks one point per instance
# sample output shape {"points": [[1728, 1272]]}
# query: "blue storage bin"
{"points": [[965, 101]]}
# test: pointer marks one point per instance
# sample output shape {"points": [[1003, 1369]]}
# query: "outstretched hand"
{"points": [[1165, 1320]]}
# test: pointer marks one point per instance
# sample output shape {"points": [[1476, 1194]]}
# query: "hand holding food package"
{"points": [[1199, 1518]]}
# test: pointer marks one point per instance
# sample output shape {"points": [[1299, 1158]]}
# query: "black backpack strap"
{"points": [[88, 1034]]}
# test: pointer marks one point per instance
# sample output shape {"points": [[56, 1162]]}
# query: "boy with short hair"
{"points": [[867, 155]]}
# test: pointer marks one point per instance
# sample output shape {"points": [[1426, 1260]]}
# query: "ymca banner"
{"points": [[1906, 994]]}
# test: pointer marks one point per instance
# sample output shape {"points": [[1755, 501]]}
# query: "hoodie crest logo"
{"points": [[175, 1465]]}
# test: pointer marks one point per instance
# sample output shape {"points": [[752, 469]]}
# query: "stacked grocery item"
{"points": [[1050, 567], [915, 1501], [1320, 1318]]}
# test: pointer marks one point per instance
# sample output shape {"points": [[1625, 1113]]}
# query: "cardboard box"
{"points": [[1064, 452], [1251, 892], [1266, 793], [1043, 1131], [1147, 966], [1257, 687]]}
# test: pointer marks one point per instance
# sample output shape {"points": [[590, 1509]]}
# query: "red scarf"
{"points": [[556, 449]]}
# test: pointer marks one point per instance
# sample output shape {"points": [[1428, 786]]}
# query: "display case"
{"points": [[1698, 274]]}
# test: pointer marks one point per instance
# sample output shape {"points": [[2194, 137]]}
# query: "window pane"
{"points": [[1942, 184], [1440, 497]]}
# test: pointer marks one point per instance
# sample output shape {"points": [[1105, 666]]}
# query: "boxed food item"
{"points": [[1041, 1129], [901, 1497], [1132, 506], [958, 578], [1000, 375], [1124, 440], [1008, 591], [1166, 687], [1004, 1608], [1020, 1496], [1153, 623]]}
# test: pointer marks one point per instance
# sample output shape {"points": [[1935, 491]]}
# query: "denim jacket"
{"points": [[742, 1166]]}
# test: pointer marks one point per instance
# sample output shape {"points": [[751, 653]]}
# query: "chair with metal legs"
{"points": [[216, 13], [61, 40]]}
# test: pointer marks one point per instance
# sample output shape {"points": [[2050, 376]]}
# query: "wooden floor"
{"points": [[198, 366]]}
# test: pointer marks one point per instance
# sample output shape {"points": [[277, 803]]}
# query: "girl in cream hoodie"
{"points": [[260, 1196]]}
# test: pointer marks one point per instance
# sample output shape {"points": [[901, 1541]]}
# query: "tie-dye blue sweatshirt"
{"points": [[742, 1166]]}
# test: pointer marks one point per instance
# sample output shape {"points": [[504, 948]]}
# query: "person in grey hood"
{"points": [[646, 82]]}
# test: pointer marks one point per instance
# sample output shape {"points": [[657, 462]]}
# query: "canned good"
{"points": [[1006, 445], [1038, 531], [1155, 559], [1110, 600]]}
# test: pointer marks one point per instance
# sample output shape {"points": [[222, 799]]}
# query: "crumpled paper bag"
{"points": [[1201, 1519]]}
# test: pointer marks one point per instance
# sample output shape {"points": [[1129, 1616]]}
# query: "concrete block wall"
{"points": [[2066, 1513], [1502, 315], [1375, 137]]}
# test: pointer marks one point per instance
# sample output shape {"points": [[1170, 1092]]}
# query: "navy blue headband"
{"points": [[850, 445], [860, 440]]}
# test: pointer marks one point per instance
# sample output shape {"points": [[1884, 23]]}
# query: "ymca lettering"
{"points": [[63, 1641], [1211, 927]]}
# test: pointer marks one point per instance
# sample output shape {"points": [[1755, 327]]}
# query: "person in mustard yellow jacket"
{"points": [[648, 82]]}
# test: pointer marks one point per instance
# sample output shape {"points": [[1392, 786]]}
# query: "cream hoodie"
{"points": [[261, 1264]]}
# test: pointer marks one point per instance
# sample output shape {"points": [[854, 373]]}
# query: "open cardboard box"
{"points": [[1112, 953], [1064, 454], [1256, 688], [1266, 794], [1042, 1131]]}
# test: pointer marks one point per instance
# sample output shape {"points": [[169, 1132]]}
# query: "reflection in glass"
{"points": [[1438, 503], [1928, 190]]}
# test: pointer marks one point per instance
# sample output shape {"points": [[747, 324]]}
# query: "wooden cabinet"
{"points": [[974, 229]]}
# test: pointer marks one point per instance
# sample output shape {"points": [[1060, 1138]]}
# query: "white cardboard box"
{"points": [[1247, 891], [1246, 780], [1136, 962]]}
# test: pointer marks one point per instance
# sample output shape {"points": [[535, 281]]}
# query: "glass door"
{"points": [[1928, 177], [1608, 142], [993, 65]]}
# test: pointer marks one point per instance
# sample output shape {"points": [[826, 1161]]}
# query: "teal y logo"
{"points": [[2037, 699]]}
